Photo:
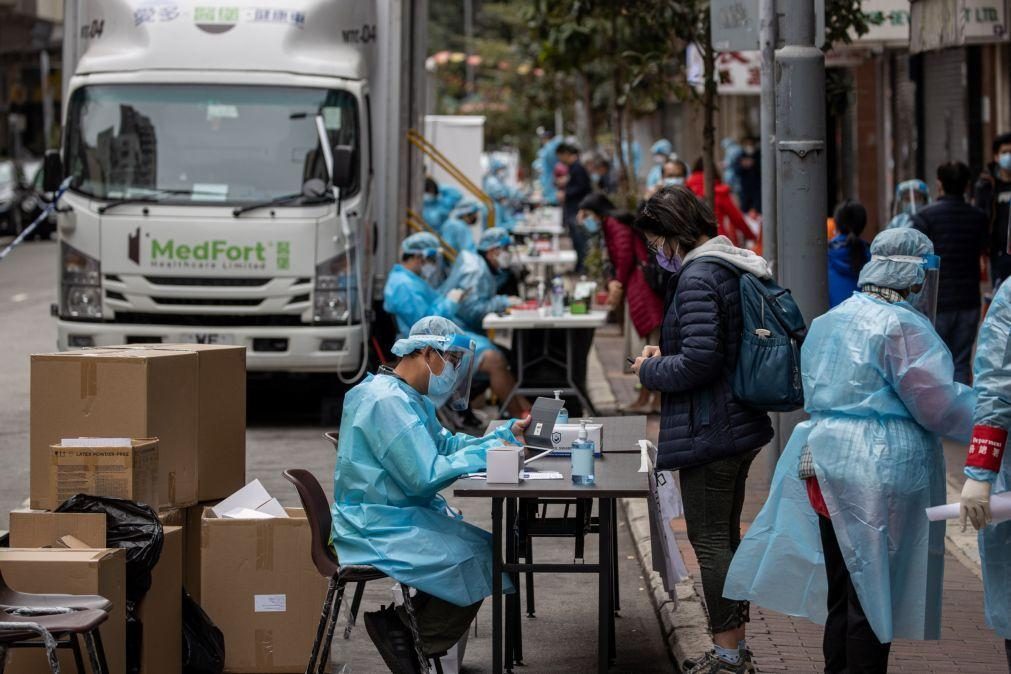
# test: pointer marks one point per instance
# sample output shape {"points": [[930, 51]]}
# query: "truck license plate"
{"points": [[206, 338]]}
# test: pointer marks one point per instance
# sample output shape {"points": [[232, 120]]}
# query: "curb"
{"points": [[684, 623]]}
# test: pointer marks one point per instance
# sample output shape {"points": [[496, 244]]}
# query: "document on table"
{"points": [[526, 475], [1000, 509]]}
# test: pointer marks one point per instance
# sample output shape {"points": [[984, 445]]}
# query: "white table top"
{"points": [[536, 227], [529, 320], [549, 257]]}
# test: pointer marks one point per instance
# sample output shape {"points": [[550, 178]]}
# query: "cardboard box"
{"points": [[259, 586], [161, 610], [189, 520], [221, 415], [105, 470], [504, 465], [100, 572], [134, 393], [41, 529]]}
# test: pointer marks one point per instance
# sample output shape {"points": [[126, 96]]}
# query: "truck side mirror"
{"points": [[343, 166], [52, 171]]}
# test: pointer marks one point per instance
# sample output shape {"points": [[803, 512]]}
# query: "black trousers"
{"points": [[850, 645]]}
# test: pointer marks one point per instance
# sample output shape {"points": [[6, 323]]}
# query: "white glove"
{"points": [[455, 295], [515, 301], [975, 503]]}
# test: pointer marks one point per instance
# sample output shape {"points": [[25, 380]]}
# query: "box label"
{"points": [[270, 603]]}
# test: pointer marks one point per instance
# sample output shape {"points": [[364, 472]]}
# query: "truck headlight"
{"points": [[81, 284], [332, 291]]}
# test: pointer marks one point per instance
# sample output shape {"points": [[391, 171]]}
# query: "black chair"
{"points": [[51, 628], [317, 510]]}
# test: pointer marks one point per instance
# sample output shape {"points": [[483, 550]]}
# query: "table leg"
{"points": [[514, 635], [496, 585], [614, 553], [604, 613]]}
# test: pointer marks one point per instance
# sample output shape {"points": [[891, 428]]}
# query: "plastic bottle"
{"points": [[557, 297], [541, 292], [563, 414], [582, 457]]}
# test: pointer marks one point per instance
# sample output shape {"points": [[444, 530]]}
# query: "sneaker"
{"points": [[393, 641], [710, 663]]}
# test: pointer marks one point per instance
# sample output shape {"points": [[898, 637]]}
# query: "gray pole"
{"points": [[468, 38], [48, 118], [768, 24], [800, 140]]}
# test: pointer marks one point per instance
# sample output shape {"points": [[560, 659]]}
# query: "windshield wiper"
{"points": [[285, 199], [142, 199]]}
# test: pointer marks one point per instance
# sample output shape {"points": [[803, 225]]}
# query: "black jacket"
{"points": [[959, 234], [578, 186], [993, 196], [700, 421]]}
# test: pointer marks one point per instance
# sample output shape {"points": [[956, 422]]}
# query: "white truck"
{"points": [[239, 172]]}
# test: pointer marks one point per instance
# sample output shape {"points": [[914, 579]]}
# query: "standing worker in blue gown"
{"points": [[393, 458], [844, 532], [546, 160], [661, 151], [494, 185], [986, 466]]}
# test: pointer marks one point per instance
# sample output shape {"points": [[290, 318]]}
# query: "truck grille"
{"points": [[209, 282], [207, 302], [208, 320]]}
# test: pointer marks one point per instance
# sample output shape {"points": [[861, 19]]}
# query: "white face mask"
{"points": [[429, 270], [505, 259]]}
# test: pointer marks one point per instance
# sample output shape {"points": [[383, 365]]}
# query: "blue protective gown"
{"points": [[992, 376], [393, 458], [457, 235], [654, 176], [878, 384], [471, 273], [547, 156], [500, 193], [408, 298], [434, 212]]}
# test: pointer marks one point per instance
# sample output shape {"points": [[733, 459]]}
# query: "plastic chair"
{"points": [[52, 628], [317, 511], [11, 598]]}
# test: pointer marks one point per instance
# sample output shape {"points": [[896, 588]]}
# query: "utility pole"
{"points": [[800, 143], [468, 39], [767, 38]]}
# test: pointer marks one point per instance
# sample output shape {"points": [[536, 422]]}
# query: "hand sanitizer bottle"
{"points": [[563, 414], [582, 457]]}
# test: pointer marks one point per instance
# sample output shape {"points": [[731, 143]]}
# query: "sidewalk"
{"points": [[785, 644]]}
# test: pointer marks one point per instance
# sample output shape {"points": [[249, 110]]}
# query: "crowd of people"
{"points": [[887, 374]]}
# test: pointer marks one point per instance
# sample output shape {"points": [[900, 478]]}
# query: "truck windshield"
{"points": [[203, 143]]}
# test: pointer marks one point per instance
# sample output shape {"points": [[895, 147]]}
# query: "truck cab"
{"points": [[222, 179]]}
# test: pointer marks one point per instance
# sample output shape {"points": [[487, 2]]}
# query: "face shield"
{"points": [[433, 269], [911, 197], [454, 383], [925, 301]]}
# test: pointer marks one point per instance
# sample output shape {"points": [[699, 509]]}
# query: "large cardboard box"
{"points": [[133, 393], [189, 520], [128, 472], [42, 529], [221, 415], [259, 586], [161, 610], [63, 571]]}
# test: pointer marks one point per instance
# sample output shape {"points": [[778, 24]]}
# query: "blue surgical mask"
{"points": [[440, 386], [592, 224], [429, 272], [1005, 161], [673, 263]]}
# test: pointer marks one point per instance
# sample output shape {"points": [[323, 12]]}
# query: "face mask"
{"points": [[1005, 161], [591, 224], [429, 271], [672, 263], [595, 177], [505, 259], [429, 199], [674, 181], [440, 386]]}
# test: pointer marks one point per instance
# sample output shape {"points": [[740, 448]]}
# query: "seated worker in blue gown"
{"points": [[408, 297], [478, 274], [393, 458]]}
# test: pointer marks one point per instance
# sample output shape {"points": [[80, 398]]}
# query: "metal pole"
{"points": [[468, 39], [768, 25], [48, 118], [800, 142]]}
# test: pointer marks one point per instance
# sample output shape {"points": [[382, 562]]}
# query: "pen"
{"points": [[630, 361]]}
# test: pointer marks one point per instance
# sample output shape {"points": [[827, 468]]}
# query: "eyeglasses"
{"points": [[653, 246]]}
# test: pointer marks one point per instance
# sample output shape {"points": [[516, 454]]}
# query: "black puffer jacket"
{"points": [[700, 421], [959, 233]]}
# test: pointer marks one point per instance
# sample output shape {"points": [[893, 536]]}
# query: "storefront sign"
{"points": [[887, 23], [936, 24], [738, 73]]}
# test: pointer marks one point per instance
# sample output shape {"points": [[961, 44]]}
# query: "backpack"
{"points": [[767, 376]]}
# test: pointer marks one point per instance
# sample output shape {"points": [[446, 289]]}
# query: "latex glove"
{"points": [[455, 295], [975, 503], [519, 427], [650, 351]]}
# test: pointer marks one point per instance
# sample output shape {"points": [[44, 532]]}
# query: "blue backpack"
{"points": [[767, 376]]}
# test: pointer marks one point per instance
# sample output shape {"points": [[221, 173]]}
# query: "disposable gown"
{"points": [[408, 298], [500, 193], [471, 273], [393, 457], [456, 233], [548, 158], [993, 408], [878, 384]]}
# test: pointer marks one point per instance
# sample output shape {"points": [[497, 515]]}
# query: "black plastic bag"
{"points": [[203, 642], [135, 527]]}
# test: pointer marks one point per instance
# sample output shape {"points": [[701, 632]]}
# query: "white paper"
{"points": [[96, 442], [270, 603], [246, 514], [1000, 509], [252, 496], [545, 475], [273, 508]]}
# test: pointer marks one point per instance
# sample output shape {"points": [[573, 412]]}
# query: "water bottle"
{"points": [[541, 293], [563, 414], [557, 297], [582, 457]]}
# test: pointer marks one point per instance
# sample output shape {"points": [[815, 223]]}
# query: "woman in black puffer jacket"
{"points": [[705, 434]]}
